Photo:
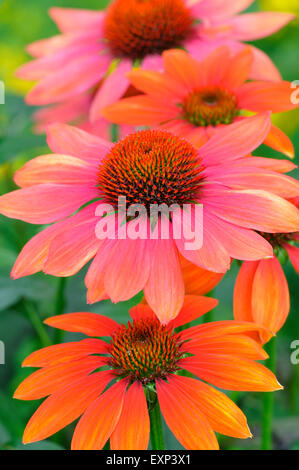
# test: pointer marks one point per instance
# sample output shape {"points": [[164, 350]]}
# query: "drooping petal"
{"points": [[133, 428], [194, 306], [278, 140], [100, 419], [113, 87], [74, 19], [236, 141], [255, 209], [198, 281], [293, 253], [222, 414], [70, 140], [65, 352], [265, 96], [51, 379], [56, 169], [63, 407], [218, 9], [252, 26], [243, 292], [164, 290], [184, 417], [231, 372], [140, 110], [234, 345], [46, 203], [270, 295], [91, 324], [240, 243]]}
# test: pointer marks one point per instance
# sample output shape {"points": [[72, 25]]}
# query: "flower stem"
{"points": [[157, 439], [268, 400], [37, 324], [60, 305]]}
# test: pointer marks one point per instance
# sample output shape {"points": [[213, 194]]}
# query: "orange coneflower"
{"points": [[143, 364], [197, 99]]}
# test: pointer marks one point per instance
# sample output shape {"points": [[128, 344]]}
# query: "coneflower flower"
{"points": [[143, 363], [149, 168], [195, 99], [89, 60]]}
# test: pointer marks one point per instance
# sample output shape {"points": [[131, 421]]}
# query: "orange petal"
{"points": [[64, 407], [198, 281], [48, 380], [194, 307], [239, 69], [142, 311], [65, 352], [184, 418], [293, 253], [231, 373], [183, 69], [91, 324], [243, 291], [133, 428], [223, 415], [270, 295], [235, 345], [99, 421], [156, 84], [278, 140]]}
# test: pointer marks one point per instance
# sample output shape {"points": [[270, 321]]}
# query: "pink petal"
{"points": [[74, 19], [237, 140], [59, 169], [45, 203], [70, 140], [254, 209], [218, 9], [164, 290], [293, 253], [74, 78], [252, 26], [112, 89]]}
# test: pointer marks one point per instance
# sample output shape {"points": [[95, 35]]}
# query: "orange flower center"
{"points": [[151, 167], [136, 28], [144, 351], [210, 106]]}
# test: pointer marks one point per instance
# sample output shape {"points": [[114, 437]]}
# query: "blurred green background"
{"points": [[24, 303]]}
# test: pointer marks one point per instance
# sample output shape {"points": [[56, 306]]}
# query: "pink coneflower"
{"points": [[195, 99], [149, 168], [97, 48]]}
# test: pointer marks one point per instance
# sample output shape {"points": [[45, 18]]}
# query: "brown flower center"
{"points": [[136, 28]]}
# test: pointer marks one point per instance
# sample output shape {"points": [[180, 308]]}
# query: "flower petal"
{"points": [[266, 96], [73, 141], [194, 307], [45, 203], [91, 324], [293, 253], [65, 406], [51, 379], [237, 140], [252, 26], [243, 292], [65, 352], [278, 140], [222, 414], [100, 419], [184, 417], [133, 428], [74, 19], [198, 281]]}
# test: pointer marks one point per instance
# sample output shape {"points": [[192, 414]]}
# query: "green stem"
{"points": [[294, 385], [60, 306], [157, 439], [268, 401], [114, 132], [37, 324]]}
